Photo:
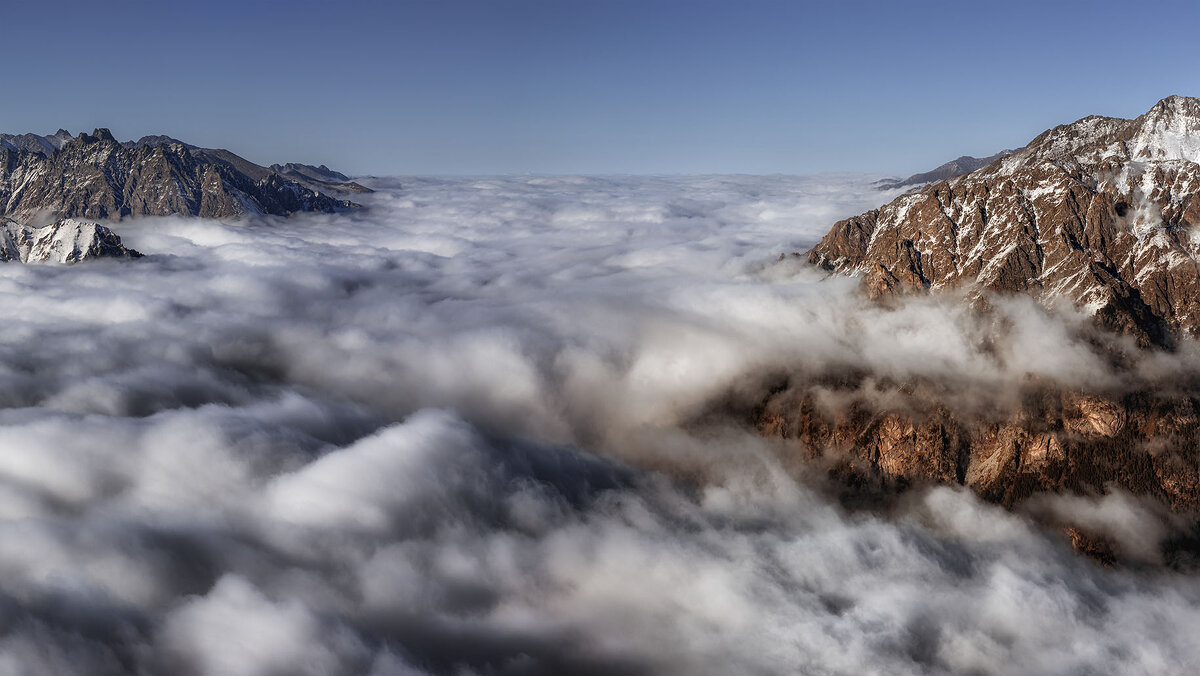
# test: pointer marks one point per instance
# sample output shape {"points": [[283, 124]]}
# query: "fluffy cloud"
{"points": [[470, 431]]}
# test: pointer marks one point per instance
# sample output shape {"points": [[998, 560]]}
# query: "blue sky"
{"points": [[603, 86]]}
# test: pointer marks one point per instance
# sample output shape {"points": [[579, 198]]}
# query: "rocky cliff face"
{"points": [[877, 439], [1103, 211], [94, 176], [1052, 440], [67, 241]]}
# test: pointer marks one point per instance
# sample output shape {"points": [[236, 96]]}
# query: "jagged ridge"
{"points": [[1100, 211], [67, 241], [957, 167], [1104, 212], [95, 176]]}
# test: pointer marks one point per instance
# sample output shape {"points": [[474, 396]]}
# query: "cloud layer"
{"points": [[470, 432]]}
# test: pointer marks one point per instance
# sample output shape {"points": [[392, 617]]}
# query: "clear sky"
{"points": [[592, 86]]}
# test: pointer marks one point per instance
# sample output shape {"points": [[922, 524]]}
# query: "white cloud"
{"points": [[458, 434]]}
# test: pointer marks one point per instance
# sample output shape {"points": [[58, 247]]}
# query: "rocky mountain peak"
{"points": [[84, 138], [1168, 131], [158, 140], [66, 241], [1175, 106], [1103, 211], [57, 139], [95, 176]]}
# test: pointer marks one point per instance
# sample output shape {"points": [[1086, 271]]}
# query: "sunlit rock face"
{"points": [[883, 436], [66, 241], [1102, 212]]}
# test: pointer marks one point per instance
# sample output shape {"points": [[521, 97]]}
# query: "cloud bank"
{"points": [[471, 431]]}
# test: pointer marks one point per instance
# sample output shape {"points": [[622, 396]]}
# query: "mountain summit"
{"points": [[1104, 211], [95, 176], [67, 241]]}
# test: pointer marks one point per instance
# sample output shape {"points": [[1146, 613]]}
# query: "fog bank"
{"points": [[470, 431]]}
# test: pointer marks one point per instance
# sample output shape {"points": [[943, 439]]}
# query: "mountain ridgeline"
{"points": [[952, 169], [66, 241], [94, 176], [1103, 213]]}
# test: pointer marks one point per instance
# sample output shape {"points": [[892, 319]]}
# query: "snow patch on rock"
{"points": [[68, 241]]}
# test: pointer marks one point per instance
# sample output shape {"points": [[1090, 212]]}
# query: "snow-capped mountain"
{"points": [[95, 176], [1103, 211], [34, 143], [67, 241]]}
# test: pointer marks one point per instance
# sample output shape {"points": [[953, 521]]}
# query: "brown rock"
{"points": [[1100, 211], [1054, 440]]}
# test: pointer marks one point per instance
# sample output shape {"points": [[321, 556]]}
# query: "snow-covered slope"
{"points": [[1169, 131], [1103, 211], [67, 241]]}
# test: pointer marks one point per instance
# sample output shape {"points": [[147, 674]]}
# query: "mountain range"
{"points": [[95, 176], [66, 241], [69, 179], [952, 169], [1103, 213]]}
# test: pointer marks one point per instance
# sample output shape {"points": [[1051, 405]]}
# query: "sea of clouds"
{"points": [[476, 429]]}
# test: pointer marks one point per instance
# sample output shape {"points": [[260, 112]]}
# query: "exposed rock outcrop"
{"points": [[1103, 211], [67, 241], [94, 176], [1052, 440]]}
